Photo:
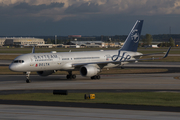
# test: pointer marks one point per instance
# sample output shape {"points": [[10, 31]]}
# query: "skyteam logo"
{"points": [[135, 35], [121, 57]]}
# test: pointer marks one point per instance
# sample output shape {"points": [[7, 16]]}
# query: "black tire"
{"points": [[92, 77], [28, 81], [73, 76], [98, 77], [68, 76]]}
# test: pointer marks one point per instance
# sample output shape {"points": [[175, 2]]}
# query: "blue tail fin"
{"points": [[132, 41]]}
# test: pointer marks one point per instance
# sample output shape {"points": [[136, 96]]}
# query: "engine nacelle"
{"points": [[45, 73], [89, 70]]}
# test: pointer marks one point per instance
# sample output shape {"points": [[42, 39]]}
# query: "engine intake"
{"points": [[45, 73], [89, 70]]}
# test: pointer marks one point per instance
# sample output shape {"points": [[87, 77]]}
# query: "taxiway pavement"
{"points": [[116, 81], [18, 112]]}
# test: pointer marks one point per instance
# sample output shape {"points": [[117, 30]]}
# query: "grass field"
{"points": [[8, 57], [167, 59], [136, 98]]}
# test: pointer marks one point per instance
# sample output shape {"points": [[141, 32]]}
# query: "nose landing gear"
{"points": [[27, 77]]}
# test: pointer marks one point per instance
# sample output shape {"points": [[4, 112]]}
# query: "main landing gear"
{"points": [[70, 75], [95, 77], [27, 77]]}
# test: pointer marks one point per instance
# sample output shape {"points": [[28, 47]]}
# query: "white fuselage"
{"points": [[66, 60]]}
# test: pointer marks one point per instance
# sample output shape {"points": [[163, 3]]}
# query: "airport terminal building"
{"points": [[22, 41], [100, 44]]}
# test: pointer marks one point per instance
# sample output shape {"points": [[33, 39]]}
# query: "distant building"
{"points": [[48, 45], [1, 42], [74, 46], [100, 44], [21, 41], [88, 43], [74, 36]]}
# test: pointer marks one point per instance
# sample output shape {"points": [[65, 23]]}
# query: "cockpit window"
{"points": [[18, 61]]}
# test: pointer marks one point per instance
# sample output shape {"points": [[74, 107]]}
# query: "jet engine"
{"points": [[89, 70], [45, 73]]}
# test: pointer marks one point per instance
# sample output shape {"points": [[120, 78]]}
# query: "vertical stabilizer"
{"points": [[132, 41]]}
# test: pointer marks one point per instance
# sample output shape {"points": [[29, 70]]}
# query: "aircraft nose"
{"points": [[12, 67]]}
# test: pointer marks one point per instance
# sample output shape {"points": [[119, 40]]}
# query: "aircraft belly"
{"points": [[66, 66], [110, 65]]}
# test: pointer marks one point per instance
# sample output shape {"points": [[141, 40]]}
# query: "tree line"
{"points": [[147, 41]]}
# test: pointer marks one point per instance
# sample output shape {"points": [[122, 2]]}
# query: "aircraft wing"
{"points": [[149, 54], [166, 54], [119, 62], [155, 53], [98, 63]]}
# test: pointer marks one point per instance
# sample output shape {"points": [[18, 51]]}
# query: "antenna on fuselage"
{"points": [[33, 49]]}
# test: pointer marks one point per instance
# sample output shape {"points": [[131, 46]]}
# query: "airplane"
{"points": [[89, 63]]}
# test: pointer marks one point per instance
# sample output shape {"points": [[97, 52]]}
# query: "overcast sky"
{"points": [[87, 17]]}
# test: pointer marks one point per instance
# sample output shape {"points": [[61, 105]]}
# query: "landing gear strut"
{"points": [[95, 77], [27, 77], [70, 75]]}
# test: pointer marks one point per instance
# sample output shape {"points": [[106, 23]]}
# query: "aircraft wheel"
{"points": [[95, 77], [28, 81], [98, 77], [68, 76], [73, 76]]}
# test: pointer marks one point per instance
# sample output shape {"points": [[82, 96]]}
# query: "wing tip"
{"points": [[167, 52]]}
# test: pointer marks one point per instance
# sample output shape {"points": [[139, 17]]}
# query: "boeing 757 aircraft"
{"points": [[89, 63]]}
